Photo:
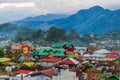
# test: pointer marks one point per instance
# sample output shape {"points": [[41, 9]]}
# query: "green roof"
{"points": [[113, 78], [117, 75], [108, 75], [68, 44], [42, 53], [47, 51], [101, 76], [28, 42], [59, 54], [58, 45], [4, 59]]}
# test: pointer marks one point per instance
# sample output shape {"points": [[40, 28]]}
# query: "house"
{"points": [[64, 73], [99, 65], [20, 75], [69, 52], [102, 51], [92, 76], [109, 76], [110, 57], [68, 46], [73, 55], [53, 73], [4, 77], [22, 48], [4, 60], [29, 64], [84, 49], [50, 60], [113, 77], [100, 55], [57, 45], [48, 51], [80, 49], [22, 72], [72, 62], [116, 51], [48, 73], [103, 76], [97, 57], [22, 57], [113, 71], [118, 55]]}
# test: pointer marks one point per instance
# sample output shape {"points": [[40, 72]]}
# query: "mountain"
{"points": [[40, 21], [47, 17], [94, 19]]}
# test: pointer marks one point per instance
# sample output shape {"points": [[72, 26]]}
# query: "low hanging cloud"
{"points": [[22, 4], [18, 9]]}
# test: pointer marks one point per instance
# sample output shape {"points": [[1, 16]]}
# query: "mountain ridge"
{"points": [[95, 19], [47, 17]]}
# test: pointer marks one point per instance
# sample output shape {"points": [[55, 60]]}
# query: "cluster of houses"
{"points": [[59, 62]]}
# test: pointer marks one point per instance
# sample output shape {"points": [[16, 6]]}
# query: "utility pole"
{"points": [[21, 76]]}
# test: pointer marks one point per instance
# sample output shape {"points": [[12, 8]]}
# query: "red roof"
{"points": [[80, 60], [69, 52], [116, 51], [23, 72], [102, 63], [71, 61], [93, 76], [19, 46], [114, 71], [48, 72], [68, 62], [52, 59], [89, 79], [24, 44], [111, 55]]}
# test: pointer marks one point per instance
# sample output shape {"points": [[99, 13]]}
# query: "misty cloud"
{"points": [[9, 10]]}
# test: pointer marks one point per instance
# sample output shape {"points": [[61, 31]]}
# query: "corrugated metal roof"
{"points": [[4, 59]]}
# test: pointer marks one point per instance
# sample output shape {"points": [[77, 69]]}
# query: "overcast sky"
{"points": [[18, 9]]}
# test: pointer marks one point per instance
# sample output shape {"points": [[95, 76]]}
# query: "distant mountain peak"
{"points": [[94, 19], [91, 10], [96, 8], [46, 17]]}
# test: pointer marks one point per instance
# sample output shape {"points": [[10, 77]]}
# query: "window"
{"points": [[38, 78], [46, 78]]}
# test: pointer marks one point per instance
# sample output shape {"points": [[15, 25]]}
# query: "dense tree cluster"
{"points": [[56, 35], [53, 35], [1, 52]]}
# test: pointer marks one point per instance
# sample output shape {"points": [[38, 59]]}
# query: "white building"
{"points": [[99, 55]]}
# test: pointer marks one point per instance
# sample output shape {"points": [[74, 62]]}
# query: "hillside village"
{"points": [[60, 61], [59, 40]]}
